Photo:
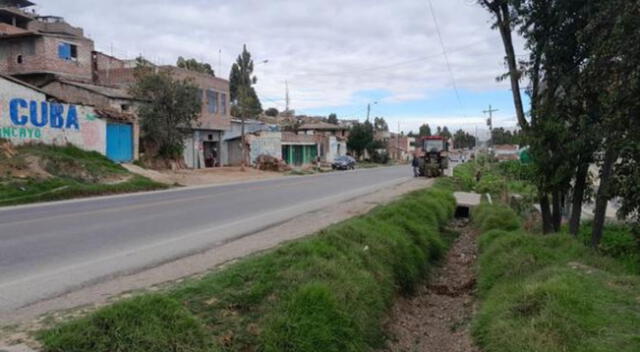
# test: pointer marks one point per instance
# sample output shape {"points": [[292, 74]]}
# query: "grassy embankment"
{"points": [[553, 293], [328, 292], [36, 173]]}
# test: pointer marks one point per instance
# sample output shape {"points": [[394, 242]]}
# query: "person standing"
{"points": [[415, 163]]}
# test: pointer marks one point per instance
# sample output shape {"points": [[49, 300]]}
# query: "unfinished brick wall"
{"points": [[36, 54]]}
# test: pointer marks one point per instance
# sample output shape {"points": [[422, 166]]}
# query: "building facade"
{"points": [[30, 115], [49, 53]]}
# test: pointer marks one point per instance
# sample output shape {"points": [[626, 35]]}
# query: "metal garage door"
{"points": [[120, 142]]}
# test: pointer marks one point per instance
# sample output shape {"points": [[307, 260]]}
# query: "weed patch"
{"points": [[38, 173]]}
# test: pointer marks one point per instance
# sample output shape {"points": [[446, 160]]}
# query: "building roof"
{"points": [[25, 84], [16, 3], [110, 92], [507, 147], [321, 126], [114, 115]]}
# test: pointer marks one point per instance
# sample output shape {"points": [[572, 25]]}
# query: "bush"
{"points": [[496, 217], [150, 323], [551, 293], [618, 241]]}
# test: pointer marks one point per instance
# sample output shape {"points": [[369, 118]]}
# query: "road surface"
{"points": [[49, 249]]}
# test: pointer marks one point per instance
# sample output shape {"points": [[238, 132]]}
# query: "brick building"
{"points": [[49, 53], [34, 48]]}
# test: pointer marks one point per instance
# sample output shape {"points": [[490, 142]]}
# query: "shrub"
{"points": [[551, 293], [150, 323], [496, 217]]}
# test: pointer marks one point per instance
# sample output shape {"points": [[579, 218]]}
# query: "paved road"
{"points": [[49, 249]]}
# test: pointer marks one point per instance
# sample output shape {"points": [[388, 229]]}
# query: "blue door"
{"points": [[120, 142]]}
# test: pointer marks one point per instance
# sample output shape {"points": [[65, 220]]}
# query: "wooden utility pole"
{"points": [[490, 123]]}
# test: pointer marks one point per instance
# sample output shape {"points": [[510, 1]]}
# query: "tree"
{"points": [[194, 65], [614, 67], [241, 92], [583, 68], [244, 100], [361, 138], [333, 119], [168, 109], [501, 135], [379, 124], [273, 112], [502, 10], [444, 132], [463, 140], [425, 130]]}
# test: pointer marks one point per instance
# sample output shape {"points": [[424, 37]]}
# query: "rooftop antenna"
{"points": [[219, 62]]}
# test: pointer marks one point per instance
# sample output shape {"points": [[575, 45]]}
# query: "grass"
{"points": [[328, 292], [65, 172], [550, 293]]}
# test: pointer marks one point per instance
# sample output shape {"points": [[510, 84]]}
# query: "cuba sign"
{"points": [[29, 117]]}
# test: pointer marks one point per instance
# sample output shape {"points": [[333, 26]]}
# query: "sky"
{"points": [[412, 65]]}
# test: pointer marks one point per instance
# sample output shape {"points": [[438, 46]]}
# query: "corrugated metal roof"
{"points": [[321, 126]]}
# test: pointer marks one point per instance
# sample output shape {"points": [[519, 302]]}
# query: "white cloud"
{"points": [[327, 49]]}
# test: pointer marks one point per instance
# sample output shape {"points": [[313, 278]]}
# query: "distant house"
{"points": [[299, 149], [401, 147], [506, 152], [260, 138], [331, 139]]}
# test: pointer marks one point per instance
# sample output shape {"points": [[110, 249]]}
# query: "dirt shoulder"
{"points": [[438, 316], [88, 298], [200, 177]]}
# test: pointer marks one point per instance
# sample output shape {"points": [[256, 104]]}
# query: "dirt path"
{"points": [[437, 318], [189, 177]]}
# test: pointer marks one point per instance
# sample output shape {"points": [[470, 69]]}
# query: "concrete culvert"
{"points": [[462, 212], [465, 201]]}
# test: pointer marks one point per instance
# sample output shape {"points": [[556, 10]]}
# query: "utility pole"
{"points": [[286, 97], [490, 123], [398, 144], [369, 109]]}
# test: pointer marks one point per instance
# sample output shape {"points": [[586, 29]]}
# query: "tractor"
{"points": [[435, 157]]}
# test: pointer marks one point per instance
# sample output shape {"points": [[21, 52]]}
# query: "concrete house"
{"points": [[331, 139], [205, 146]]}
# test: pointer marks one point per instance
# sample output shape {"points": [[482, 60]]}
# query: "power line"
{"points": [[397, 64], [444, 51]]}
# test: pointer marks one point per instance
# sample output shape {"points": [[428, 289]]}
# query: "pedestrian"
{"points": [[415, 163]]}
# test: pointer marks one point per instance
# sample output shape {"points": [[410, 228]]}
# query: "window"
{"points": [[124, 107], [223, 103], [68, 51], [19, 59], [212, 101]]}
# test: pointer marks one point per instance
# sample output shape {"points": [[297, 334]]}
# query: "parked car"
{"points": [[344, 163]]}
